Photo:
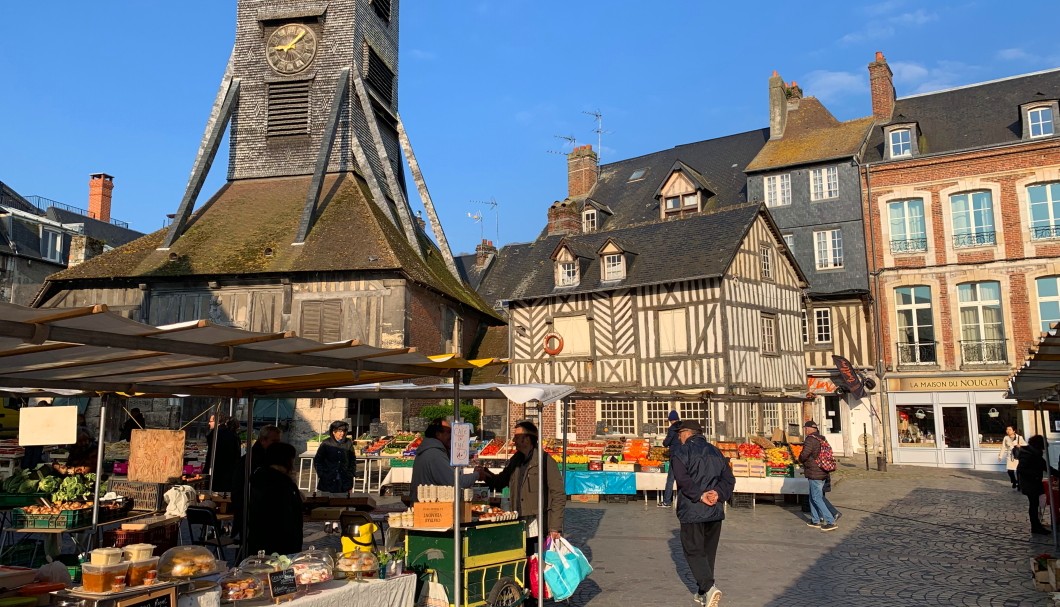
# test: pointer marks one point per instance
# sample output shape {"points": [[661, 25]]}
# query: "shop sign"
{"points": [[460, 449], [937, 384]]}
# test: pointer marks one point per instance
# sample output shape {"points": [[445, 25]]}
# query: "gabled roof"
{"points": [[699, 246], [812, 134], [693, 175], [113, 235], [968, 117], [231, 233]]}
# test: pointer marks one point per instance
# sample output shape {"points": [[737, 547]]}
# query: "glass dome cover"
{"points": [[318, 553], [240, 585], [312, 566], [261, 563], [186, 562], [357, 561]]}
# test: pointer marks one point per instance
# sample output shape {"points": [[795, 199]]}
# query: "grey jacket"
{"points": [[432, 468], [520, 476]]}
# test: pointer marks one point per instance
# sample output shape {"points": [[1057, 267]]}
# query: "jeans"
{"points": [[668, 491], [699, 541], [820, 508]]}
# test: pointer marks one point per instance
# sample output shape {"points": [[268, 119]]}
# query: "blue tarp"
{"points": [[601, 483]]}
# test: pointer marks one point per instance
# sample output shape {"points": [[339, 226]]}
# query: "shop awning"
{"points": [[1036, 383]]}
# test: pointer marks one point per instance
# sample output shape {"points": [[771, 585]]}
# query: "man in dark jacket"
{"points": [[704, 483], [672, 443], [432, 460], [822, 513], [335, 461], [275, 504]]}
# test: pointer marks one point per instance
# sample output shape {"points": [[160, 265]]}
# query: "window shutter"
{"points": [[311, 321], [331, 320]]}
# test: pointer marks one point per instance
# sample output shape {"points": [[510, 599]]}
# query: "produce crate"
{"points": [[596, 465], [110, 514], [18, 500], [743, 500], [24, 553], [163, 537], [66, 519], [781, 471], [401, 463], [585, 499], [756, 469], [144, 496], [577, 467], [740, 467], [620, 467], [617, 499]]}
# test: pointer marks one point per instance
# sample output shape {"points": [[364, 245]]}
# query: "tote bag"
{"points": [[433, 594], [535, 564], [565, 568]]}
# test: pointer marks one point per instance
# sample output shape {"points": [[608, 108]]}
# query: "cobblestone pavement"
{"points": [[909, 536]]}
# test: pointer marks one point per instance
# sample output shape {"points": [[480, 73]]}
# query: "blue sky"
{"points": [[487, 88]]}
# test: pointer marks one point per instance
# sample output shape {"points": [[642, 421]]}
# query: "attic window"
{"points": [[900, 143], [1040, 119], [637, 175], [589, 220], [901, 140], [613, 267], [674, 206], [566, 274]]}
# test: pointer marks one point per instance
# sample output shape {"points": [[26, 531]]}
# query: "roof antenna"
{"points": [[477, 218], [599, 130], [571, 141], [492, 204]]}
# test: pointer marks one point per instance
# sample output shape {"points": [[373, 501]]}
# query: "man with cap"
{"points": [[672, 443], [822, 514], [704, 483]]}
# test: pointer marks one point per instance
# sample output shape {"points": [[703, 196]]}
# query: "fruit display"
{"points": [[635, 449], [572, 458], [492, 448], [659, 453], [796, 450], [410, 450], [613, 448], [241, 586], [750, 451], [649, 463], [778, 456], [378, 445], [186, 561], [728, 449], [57, 507]]}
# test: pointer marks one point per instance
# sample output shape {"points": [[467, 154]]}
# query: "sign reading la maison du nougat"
{"points": [[937, 384]]}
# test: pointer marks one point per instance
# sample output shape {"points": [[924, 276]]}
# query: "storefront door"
{"points": [[956, 435]]}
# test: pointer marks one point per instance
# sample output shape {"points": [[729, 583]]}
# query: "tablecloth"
{"points": [[398, 591], [601, 483]]}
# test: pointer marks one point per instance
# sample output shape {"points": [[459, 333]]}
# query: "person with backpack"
{"points": [[818, 462]]}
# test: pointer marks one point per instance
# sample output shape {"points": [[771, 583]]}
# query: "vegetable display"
{"points": [[750, 451], [75, 488]]}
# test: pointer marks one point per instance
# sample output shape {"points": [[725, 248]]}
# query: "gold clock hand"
{"points": [[290, 45]]}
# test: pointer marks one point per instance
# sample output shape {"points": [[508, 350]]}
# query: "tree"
{"points": [[470, 413]]}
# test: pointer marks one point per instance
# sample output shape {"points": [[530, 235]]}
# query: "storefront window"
{"points": [[955, 427], [992, 421], [916, 426]]}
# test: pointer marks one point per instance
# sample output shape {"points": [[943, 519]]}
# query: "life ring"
{"points": [[553, 350]]}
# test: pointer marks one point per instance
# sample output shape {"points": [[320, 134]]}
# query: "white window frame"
{"points": [[901, 146], [913, 308], [771, 416], [778, 190], [700, 411], [977, 219], [828, 249], [619, 415], [766, 254], [1049, 227], [52, 245], [613, 266], [657, 412], [672, 326], [671, 204], [824, 183], [1046, 320], [1036, 119], [769, 333], [566, 274], [805, 322], [589, 220], [789, 240], [689, 201], [970, 296], [822, 325], [908, 232]]}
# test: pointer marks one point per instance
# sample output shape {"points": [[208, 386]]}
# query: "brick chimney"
{"points": [[778, 106], [582, 171], [881, 84], [100, 187], [563, 218], [420, 221], [83, 248], [483, 253]]}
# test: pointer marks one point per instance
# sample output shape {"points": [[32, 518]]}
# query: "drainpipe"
{"points": [[885, 414]]}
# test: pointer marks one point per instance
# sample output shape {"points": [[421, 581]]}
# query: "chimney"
{"points": [[420, 222], [778, 106], [881, 84], [83, 248], [100, 187], [483, 253], [582, 171], [563, 218]]}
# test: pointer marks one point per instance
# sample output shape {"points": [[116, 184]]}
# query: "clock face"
{"points": [[291, 48]]}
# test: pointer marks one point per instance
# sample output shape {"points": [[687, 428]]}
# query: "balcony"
{"points": [[1045, 232], [909, 245], [983, 352], [979, 239], [917, 353]]}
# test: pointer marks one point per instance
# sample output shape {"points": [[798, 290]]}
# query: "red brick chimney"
{"points": [[483, 253], [778, 106], [881, 84], [563, 218], [100, 187], [582, 171]]}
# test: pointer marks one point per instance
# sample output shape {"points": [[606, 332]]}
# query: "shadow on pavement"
{"points": [[582, 525]]}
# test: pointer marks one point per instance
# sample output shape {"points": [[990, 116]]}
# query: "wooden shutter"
{"points": [[310, 325], [331, 320]]}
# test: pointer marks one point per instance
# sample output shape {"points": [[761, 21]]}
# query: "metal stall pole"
{"points": [[99, 463], [1048, 476], [213, 448], [540, 511], [247, 469], [565, 410], [458, 499]]}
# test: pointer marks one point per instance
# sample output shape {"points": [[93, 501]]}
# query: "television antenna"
{"points": [[571, 141], [492, 204], [477, 218], [599, 130]]}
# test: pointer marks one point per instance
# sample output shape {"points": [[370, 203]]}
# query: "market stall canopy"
{"points": [[91, 349], [517, 393], [1036, 383]]}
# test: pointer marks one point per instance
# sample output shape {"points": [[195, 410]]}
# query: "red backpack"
{"points": [[825, 458]]}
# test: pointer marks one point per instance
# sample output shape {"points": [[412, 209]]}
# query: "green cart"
{"points": [[493, 561]]}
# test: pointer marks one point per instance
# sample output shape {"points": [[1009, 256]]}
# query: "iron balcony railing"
{"points": [[909, 245], [983, 351], [43, 204], [979, 239], [917, 353], [1042, 232]]}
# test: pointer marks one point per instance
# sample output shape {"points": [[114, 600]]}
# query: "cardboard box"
{"points": [[740, 467], [437, 515], [585, 499]]}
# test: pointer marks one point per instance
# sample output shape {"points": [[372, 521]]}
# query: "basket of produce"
{"points": [[144, 496], [750, 451], [780, 471], [61, 515]]}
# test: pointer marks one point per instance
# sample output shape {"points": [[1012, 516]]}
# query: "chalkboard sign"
{"points": [[649, 428], [283, 583], [378, 429], [493, 422], [417, 424], [158, 598]]}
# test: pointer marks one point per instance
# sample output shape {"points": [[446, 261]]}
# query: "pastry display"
{"points": [[186, 561], [312, 566], [239, 585], [360, 563]]}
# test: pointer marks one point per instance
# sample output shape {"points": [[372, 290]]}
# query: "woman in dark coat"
{"points": [[1029, 472], [335, 461], [226, 458], [275, 521]]}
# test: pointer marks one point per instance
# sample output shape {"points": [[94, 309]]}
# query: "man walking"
{"points": [[704, 483], [822, 513]]}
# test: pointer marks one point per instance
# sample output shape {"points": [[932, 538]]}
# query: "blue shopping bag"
{"points": [[565, 568]]}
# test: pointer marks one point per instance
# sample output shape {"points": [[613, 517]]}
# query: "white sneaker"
{"points": [[713, 597]]}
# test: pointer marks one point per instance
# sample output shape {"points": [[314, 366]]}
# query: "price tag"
{"points": [[493, 422], [460, 448], [283, 583]]}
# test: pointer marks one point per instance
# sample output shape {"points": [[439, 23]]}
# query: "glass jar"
{"points": [[358, 564]]}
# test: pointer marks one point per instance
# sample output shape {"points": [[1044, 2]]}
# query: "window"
{"points": [[901, 144], [681, 205], [789, 239], [575, 333], [982, 334], [52, 246], [382, 8], [916, 329], [288, 108], [916, 425], [778, 190], [699, 411], [673, 331], [907, 226], [769, 334], [321, 320], [1045, 209], [1048, 301], [771, 416], [822, 322], [766, 254], [589, 221], [973, 219], [824, 183], [637, 175], [566, 274], [1040, 120], [805, 328], [618, 416], [829, 249], [614, 266], [673, 204], [656, 412]]}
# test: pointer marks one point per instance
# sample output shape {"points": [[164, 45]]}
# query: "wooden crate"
{"points": [[740, 467], [585, 499], [756, 469]]}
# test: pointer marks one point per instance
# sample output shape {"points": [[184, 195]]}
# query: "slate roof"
{"points": [[494, 344], [812, 134], [465, 264], [718, 162], [229, 235], [973, 116], [113, 235], [698, 246]]}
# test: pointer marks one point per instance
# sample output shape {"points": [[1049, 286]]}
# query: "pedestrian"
{"points": [[1008, 453], [275, 521], [431, 466], [704, 483], [135, 422], [823, 514], [268, 435], [335, 461], [1029, 473], [671, 443], [222, 461]]}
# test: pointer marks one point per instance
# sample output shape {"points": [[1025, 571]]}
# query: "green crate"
{"points": [[67, 519], [24, 553], [777, 472], [401, 463], [577, 467], [18, 500]]}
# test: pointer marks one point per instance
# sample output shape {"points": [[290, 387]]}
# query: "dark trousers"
{"points": [[700, 544], [1012, 477], [1032, 511]]}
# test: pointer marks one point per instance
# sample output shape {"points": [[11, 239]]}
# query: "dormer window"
{"points": [[566, 274], [683, 192], [901, 144], [590, 221], [1040, 121], [614, 267], [52, 246]]}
